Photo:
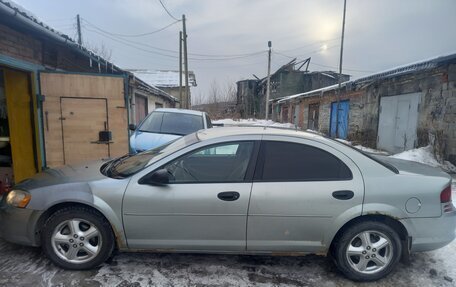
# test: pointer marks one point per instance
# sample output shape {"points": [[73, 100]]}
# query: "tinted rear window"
{"points": [[284, 161], [172, 123]]}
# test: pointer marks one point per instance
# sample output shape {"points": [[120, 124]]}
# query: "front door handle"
{"points": [[228, 195], [343, 194]]}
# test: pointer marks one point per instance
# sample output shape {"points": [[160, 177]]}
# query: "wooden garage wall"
{"points": [[57, 85]]}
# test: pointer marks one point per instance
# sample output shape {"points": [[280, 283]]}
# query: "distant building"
{"points": [[168, 81], [288, 79], [394, 110]]}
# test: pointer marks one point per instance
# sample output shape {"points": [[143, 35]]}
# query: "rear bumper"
{"points": [[18, 225], [431, 233]]}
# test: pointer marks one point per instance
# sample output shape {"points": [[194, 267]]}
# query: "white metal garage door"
{"points": [[398, 122]]}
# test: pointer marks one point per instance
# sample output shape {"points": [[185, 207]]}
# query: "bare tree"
{"points": [[102, 50]]}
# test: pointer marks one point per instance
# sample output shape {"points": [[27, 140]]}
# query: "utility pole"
{"points": [[187, 88], [78, 22], [180, 69], [340, 70], [268, 80]]}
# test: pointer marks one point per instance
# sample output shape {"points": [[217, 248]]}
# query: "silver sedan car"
{"points": [[248, 190]]}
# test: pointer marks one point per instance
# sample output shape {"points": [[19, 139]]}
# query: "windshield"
{"points": [[130, 164], [172, 123]]}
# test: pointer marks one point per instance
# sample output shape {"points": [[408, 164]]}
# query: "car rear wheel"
{"points": [[77, 238], [368, 251]]}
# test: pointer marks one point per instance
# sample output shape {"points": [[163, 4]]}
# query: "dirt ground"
{"points": [[25, 266]]}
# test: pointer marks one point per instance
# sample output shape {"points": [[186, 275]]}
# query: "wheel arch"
{"points": [[120, 241], [386, 219]]}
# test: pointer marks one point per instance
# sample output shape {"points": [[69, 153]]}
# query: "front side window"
{"points": [[285, 161], [226, 162], [128, 165]]}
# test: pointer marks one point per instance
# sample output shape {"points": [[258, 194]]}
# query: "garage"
{"points": [[397, 125]]}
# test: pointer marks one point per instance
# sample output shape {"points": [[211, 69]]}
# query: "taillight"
{"points": [[445, 195]]}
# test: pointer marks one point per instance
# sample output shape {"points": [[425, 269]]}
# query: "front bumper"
{"points": [[18, 225], [431, 233]]}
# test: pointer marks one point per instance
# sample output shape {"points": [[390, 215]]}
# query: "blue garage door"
{"points": [[342, 122]]}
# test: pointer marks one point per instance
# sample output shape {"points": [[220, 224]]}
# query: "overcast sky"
{"points": [[227, 39]]}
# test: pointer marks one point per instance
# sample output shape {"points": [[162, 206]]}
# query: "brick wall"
{"points": [[20, 45], [33, 48]]}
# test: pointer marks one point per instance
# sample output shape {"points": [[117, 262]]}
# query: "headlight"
{"points": [[18, 198]]}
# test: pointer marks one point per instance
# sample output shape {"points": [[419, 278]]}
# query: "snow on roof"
{"points": [[164, 78], [321, 90], [400, 70], [155, 90], [328, 75]]}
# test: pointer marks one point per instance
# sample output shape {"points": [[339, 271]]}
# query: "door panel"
{"points": [[293, 216], [342, 122], [398, 119], [386, 123], [402, 114], [140, 108], [20, 110], [57, 85], [186, 216], [82, 120], [312, 122], [201, 208]]}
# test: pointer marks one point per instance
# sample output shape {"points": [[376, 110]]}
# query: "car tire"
{"points": [[64, 243], [367, 251]]}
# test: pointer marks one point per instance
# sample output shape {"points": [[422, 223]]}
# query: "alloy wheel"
{"points": [[76, 241], [369, 252]]}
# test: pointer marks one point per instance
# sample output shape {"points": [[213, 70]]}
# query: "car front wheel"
{"points": [[77, 238], [368, 251]]}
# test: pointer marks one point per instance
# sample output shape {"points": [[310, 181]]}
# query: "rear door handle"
{"points": [[228, 195], [343, 194]]}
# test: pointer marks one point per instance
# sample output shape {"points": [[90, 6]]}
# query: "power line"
{"points": [[166, 50], [321, 65], [136, 44], [310, 44], [131, 35], [128, 44], [170, 15], [306, 54], [347, 69]]}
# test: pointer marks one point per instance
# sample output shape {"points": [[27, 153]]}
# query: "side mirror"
{"points": [[158, 177], [132, 127]]}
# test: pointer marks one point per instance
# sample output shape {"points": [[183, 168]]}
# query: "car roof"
{"points": [[179, 111], [256, 130]]}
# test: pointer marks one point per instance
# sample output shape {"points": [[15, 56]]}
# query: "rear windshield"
{"points": [[171, 123], [370, 156]]}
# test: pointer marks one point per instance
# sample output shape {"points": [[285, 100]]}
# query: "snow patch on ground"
{"points": [[422, 155], [425, 155]]}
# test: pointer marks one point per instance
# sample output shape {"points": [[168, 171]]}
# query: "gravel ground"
{"points": [[25, 266]]}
